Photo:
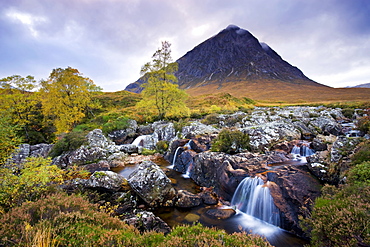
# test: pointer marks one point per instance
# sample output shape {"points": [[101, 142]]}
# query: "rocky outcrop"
{"points": [[294, 190], [25, 151], [224, 172], [152, 184]]}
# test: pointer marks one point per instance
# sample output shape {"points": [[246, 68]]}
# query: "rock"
{"points": [[209, 196], [186, 199], [25, 151], [197, 128], [152, 184], [129, 148], [146, 221], [327, 125], [184, 160], [294, 190], [191, 218], [262, 136], [104, 180], [95, 167], [124, 136], [117, 160], [40, 150], [163, 131], [221, 214]]}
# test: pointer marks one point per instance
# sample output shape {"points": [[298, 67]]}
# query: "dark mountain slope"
{"points": [[233, 55]]}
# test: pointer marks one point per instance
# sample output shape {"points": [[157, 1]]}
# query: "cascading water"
{"points": [[139, 141], [253, 197], [303, 151]]}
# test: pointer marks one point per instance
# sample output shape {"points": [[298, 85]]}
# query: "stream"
{"points": [[240, 222]]}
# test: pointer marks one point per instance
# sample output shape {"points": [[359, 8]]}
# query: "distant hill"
{"points": [[365, 85], [234, 61]]}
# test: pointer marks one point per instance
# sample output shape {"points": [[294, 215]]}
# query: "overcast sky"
{"points": [[109, 40]]}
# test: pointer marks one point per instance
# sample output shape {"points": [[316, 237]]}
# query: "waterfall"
{"points": [[174, 158], [188, 170], [139, 141], [253, 197], [303, 150]]}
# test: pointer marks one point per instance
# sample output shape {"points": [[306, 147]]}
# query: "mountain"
{"points": [[235, 62], [365, 85]]}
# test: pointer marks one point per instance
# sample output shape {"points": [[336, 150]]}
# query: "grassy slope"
{"points": [[277, 91]]}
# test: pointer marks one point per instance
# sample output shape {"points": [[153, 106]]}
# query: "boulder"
{"points": [[327, 125], [129, 148], [209, 196], [197, 128], [146, 221], [124, 136], [220, 214], [294, 190], [95, 167], [104, 180], [186, 199], [151, 184]]}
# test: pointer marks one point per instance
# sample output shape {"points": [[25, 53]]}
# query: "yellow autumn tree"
{"points": [[161, 93], [67, 97]]}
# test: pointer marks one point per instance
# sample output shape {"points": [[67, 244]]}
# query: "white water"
{"points": [[139, 141], [174, 158], [188, 171], [253, 197]]}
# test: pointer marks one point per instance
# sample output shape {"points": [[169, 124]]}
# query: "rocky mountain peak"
{"points": [[232, 55]]}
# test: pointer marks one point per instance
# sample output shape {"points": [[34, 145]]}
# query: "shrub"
{"points": [[211, 119], [363, 153], [36, 179], [162, 146], [68, 142], [348, 112], [360, 174], [364, 124], [117, 124], [230, 141]]}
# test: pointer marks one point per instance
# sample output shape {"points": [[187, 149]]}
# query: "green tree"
{"points": [[8, 138], [160, 90], [67, 97], [20, 102]]}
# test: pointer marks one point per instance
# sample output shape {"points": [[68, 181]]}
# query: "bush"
{"points": [[162, 146], [230, 141], [360, 174], [68, 142], [348, 112], [341, 219], [36, 179], [363, 153], [211, 119], [117, 124]]}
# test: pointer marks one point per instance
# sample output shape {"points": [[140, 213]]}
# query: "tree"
{"points": [[160, 91], [20, 102], [67, 97], [8, 138]]}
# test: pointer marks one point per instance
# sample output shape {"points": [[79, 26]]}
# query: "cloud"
{"points": [[109, 40]]}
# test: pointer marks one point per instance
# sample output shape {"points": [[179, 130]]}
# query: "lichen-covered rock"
{"points": [[95, 167], [186, 199], [124, 136], [104, 180], [129, 148], [327, 125], [197, 128], [146, 221], [151, 184], [163, 131]]}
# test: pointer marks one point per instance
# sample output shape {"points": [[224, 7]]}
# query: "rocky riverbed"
{"points": [[273, 132]]}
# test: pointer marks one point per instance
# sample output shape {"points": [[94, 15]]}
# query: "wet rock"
{"points": [[184, 160], [104, 180], [151, 184], [294, 190], [117, 159], [191, 218], [221, 214], [209, 196], [186, 199], [146, 221]]}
